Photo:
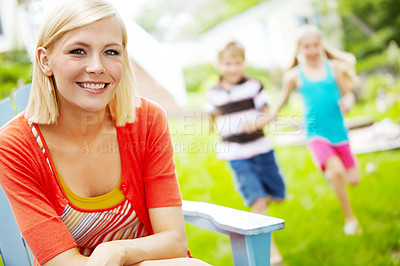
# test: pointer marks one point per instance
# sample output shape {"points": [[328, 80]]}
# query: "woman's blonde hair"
{"points": [[42, 107], [331, 53]]}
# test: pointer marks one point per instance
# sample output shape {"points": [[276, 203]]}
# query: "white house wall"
{"points": [[8, 38], [267, 31]]}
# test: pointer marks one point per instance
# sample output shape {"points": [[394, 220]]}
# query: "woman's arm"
{"points": [[168, 241], [68, 257]]}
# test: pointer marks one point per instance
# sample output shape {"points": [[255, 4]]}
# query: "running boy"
{"points": [[234, 104]]}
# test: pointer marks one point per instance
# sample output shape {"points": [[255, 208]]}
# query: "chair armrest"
{"points": [[227, 220]]}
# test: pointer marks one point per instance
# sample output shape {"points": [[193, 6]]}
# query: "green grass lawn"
{"points": [[313, 234]]}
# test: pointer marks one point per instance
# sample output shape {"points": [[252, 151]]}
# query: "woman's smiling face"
{"points": [[86, 65]]}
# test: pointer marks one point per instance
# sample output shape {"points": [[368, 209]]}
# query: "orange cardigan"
{"points": [[36, 196]]}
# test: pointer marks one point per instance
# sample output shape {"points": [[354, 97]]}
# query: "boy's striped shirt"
{"points": [[243, 102]]}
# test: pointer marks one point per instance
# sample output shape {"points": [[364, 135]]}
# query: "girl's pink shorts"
{"points": [[322, 150]]}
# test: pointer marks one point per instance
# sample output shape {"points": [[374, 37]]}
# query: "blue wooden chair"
{"points": [[250, 234]]}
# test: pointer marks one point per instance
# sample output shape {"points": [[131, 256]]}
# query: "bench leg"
{"points": [[251, 250]]}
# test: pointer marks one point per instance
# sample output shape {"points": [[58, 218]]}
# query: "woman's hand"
{"points": [[167, 242], [108, 254]]}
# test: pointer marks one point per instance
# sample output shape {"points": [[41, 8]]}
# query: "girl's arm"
{"points": [[347, 99], [289, 84]]}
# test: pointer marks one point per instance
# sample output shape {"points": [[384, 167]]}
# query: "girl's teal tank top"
{"points": [[322, 115]]}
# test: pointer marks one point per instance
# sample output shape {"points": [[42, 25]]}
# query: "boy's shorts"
{"points": [[258, 177], [322, 150]]}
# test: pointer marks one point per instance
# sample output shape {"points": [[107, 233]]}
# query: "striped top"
{"points": [[243, 102], [92, 226], [107, 200]]}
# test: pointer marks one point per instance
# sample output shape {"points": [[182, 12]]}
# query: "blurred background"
{"points": [[173, 44]]}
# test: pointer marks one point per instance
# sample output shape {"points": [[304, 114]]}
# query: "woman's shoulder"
{"points": [[17, 141], [149, 108], [15, 130], [148, 114]]}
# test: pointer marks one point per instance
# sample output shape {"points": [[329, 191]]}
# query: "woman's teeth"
{"points": [[92, 86]]}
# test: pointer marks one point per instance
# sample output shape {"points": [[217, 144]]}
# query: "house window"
{"points": [[317, 19], [302, 20]]}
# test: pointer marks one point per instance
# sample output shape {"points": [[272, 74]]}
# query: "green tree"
{"points": [[370, 25]]}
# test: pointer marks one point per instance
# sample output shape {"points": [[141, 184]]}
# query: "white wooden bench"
{"points": [[249, 233]]}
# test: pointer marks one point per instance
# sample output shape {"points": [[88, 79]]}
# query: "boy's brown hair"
{"points": [[233, 48]]}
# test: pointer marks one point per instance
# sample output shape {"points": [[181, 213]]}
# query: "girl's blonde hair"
{"points": [[42, 106], [330, 53]]}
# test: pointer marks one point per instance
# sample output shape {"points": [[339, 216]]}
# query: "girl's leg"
{"points": [[352, 176], [336, 173]]}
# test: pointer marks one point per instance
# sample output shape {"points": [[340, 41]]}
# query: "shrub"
{"points": [[15, 70]]}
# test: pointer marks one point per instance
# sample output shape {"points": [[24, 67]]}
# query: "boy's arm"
{"points": [[210, 110], [211, 121]]}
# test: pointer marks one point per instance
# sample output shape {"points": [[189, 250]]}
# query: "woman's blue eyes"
{"points": [[82, 52], [77, 51], [111, 52]]}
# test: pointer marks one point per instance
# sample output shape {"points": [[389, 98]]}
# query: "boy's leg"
{"points": [[276, 257], [270, 175], [248, 184], [260, 206], [253, 192]]}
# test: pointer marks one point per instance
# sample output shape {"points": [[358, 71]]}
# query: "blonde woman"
{"points": [[88, 167], [324, 77]]}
